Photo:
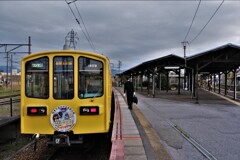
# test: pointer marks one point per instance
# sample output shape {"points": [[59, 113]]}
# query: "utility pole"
{"points": [[185, 62], [184, 49], [119, 66], [11, 73], [10, 48], [29, 45], [7, 71]]}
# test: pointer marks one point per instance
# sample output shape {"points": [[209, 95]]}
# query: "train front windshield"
{"points": [[37, 75], [90, 78]]}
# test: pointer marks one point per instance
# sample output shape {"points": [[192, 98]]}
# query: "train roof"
{"points": [[66, 52]]}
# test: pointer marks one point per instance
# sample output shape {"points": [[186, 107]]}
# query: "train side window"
{"points": [[90, 78], [63, 85], [37, 78]]}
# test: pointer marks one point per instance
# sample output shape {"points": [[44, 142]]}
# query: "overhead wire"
{"points": [[87, 36], [207, 23], [192, 21], [87, 33]]}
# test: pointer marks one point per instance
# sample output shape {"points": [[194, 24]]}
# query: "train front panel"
{"points": [[65, 91]]}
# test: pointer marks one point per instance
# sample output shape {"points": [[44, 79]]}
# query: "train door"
{"points": [[63, 87]]}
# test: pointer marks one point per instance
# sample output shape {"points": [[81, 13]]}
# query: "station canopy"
{"points": [[159, 64], [225, 58]]}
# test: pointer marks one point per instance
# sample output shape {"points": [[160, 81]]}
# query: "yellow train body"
{"points": [[43, 89]]}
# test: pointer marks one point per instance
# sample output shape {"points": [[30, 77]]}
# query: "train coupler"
{"points": [[61, 139]]}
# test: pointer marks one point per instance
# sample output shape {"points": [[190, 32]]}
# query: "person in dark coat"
{"points": [[129, 90]]}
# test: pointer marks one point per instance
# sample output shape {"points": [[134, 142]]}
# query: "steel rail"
{"points": [[199, 147], [10, 96], [8, 102]]}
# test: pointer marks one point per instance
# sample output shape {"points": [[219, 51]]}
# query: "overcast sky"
{"points": [[130, 32]]}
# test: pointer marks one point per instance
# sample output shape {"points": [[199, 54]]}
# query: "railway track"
{"points": [[100, 151], [9, 96], [41, 151], [33, 150], [7, 100], [187, 136]]}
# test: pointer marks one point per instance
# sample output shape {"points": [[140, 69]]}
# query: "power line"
{"points": [[89, 40], [85, 27], [118, 0], [68, 3], [207, 22], [192, 21]]}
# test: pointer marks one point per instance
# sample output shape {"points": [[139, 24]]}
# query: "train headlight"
{"points": [[89, 110], [36, 111]]}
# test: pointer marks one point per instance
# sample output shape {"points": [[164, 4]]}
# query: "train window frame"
{"points": [[68, 78], [81, 94], [37, 70]]}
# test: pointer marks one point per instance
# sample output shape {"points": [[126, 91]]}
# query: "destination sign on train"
{"points": [[37, 65], [64, 63], [92, 66]]}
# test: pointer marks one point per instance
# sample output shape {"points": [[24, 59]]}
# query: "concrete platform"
{"points": [[9, 128], [6, 120], [133, 146]]}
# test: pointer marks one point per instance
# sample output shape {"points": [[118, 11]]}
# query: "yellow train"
{"points": [[66, 94]]}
